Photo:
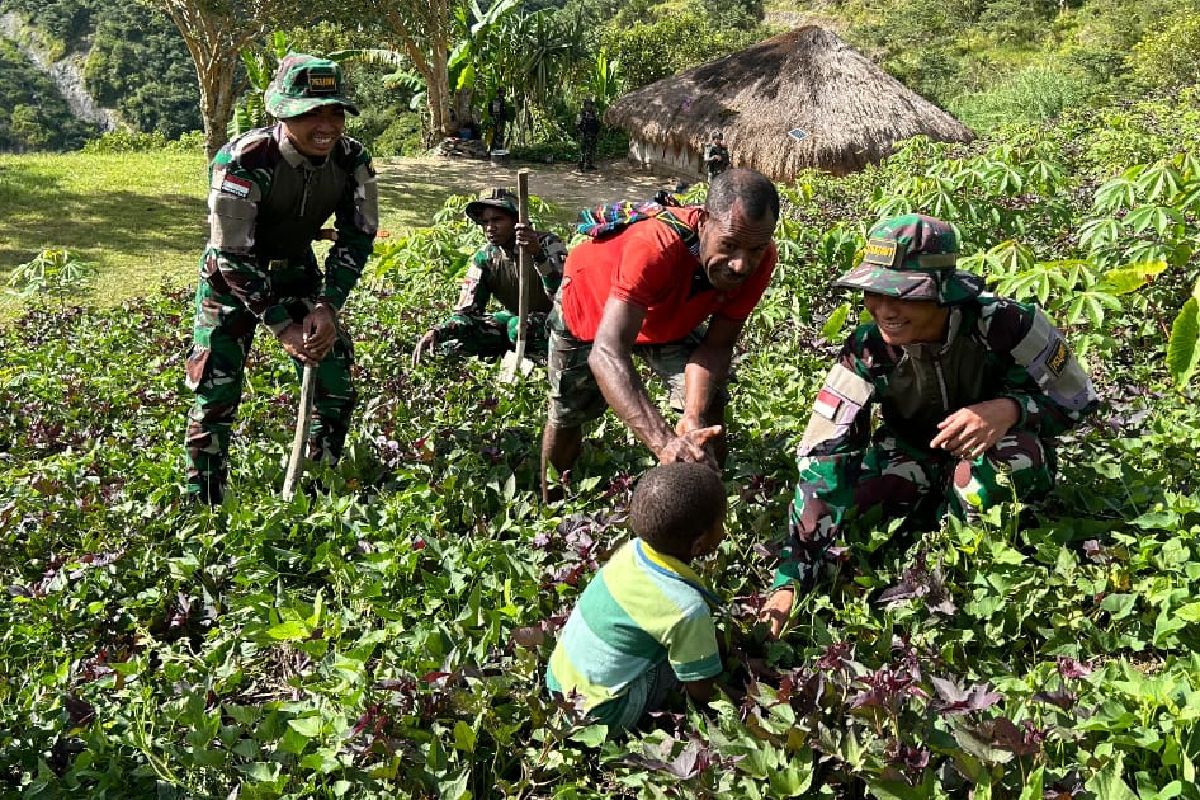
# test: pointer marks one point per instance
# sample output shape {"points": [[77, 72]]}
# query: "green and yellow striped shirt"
{"points": [[641, 608]]}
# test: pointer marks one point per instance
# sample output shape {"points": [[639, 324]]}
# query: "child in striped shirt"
{"points": [[644, 624]]}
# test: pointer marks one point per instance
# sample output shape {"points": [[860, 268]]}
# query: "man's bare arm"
{"points": [[611, 362], [707, 368]]}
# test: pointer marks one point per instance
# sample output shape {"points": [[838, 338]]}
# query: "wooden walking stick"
{"points": [[295, 467], [515, 361]]}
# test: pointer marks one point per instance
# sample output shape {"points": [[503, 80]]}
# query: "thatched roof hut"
{"points": [[804, 99]]}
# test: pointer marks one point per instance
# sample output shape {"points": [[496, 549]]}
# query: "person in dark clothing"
{"points": [[588, 126]]}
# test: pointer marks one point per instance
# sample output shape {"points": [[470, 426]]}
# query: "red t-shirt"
{"points": [[647, 264]]}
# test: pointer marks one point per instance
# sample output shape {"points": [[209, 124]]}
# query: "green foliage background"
{"points": [[136, 62], [33, 115]]}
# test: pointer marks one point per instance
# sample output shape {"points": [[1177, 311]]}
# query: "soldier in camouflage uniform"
{"points": [[587, 125], [716, 156], [494, 271], [271, 191], [972, 390]]}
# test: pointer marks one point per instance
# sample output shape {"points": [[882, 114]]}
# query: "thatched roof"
{"points": [[850, 111]]}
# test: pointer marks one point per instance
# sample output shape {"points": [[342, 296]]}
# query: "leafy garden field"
{"points": [[388, 639]]}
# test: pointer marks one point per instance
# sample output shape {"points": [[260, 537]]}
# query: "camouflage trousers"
{"points": [[587, 150], [898, 479], [222, 336], [491, 335]]}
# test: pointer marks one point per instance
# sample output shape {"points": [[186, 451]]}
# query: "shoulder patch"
{"points": [[1056, 362], [232, 184]]}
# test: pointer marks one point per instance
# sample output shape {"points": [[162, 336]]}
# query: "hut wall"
{"points": [[684, 161]]}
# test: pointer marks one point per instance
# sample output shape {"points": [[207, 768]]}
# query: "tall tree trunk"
{"points": [[214, 36], [216, 101]]}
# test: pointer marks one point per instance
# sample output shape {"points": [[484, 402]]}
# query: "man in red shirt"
{"points": [[650, 289]]}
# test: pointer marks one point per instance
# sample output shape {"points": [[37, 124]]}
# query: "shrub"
{"points": [[1033, 95], [128, 141], [1170, 58], [56, 273], [400, 138]]}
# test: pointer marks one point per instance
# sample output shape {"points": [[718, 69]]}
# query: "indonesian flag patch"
{"points": [[827, 403], [238, 187]]}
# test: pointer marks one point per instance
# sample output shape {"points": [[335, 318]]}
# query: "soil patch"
{"points": [[417, 187]]}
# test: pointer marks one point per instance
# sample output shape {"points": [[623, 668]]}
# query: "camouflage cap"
{"points": [[305, 82], [912, 257], [497, 197]]}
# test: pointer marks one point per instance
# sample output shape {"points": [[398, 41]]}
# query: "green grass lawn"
{"points": [[139, 217]]}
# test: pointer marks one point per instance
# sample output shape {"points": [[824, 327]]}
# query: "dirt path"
{"points": [[414, 188]]}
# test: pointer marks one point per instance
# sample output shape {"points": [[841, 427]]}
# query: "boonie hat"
{"points": [[305, 82], [912, 257], [497, 197]]}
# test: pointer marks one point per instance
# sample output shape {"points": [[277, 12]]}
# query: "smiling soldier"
{"points": [[973, 389], [494, 271], [674, 287], [272, 189]]}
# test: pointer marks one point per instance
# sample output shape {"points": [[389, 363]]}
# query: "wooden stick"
{"points": [[523, 267], [295, 466]]}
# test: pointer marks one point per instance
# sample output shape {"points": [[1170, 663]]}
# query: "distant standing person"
{"points": [[588, 126], [498, 117], [716, 156], [494, 272], [272, 189]]}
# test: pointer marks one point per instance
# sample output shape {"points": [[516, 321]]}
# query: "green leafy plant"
{"points": [[55, 273]]}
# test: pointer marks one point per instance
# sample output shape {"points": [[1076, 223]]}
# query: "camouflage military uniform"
{"points": [[267, 203], [588, 126], [494, 272], [994, 348], [716, 158]]}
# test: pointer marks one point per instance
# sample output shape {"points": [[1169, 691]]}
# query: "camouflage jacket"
{"points": [[716, 157], [268, 202], [995, 348], [587, 123], [494, 272]]}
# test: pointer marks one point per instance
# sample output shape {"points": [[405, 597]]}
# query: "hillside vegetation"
{"points": [[987, 61], [388, 636]]}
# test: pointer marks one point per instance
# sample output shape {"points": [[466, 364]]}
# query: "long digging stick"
{"points": [[516, 362], [295, 467]]}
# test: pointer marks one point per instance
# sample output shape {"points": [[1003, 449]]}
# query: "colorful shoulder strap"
{"points": [[607, 219]]}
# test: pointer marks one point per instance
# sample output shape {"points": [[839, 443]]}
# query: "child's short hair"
{"points": [[674, 504]]}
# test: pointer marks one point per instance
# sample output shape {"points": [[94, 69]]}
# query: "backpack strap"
{"points": [[608, 219]]}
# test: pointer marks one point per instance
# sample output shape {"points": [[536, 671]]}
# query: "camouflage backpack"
{"points": [[608, 219]]}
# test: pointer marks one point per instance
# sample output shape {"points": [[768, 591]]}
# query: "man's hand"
{"points": [[970, 432], [689, 446], [321, 327], [293, 340], [424, 346], [777, 609], [527, 239]]}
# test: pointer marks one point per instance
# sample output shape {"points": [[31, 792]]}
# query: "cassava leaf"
{"points": [[1183, 348]]}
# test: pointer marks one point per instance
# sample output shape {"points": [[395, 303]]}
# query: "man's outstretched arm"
{"points": [[611, 362]]}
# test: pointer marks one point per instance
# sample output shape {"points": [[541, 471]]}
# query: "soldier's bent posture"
{"points": [[494, 272], [271, 191], [973, 389]]}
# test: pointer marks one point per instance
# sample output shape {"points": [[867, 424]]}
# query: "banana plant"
{"points": [[250, 111], [403, 77]]}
